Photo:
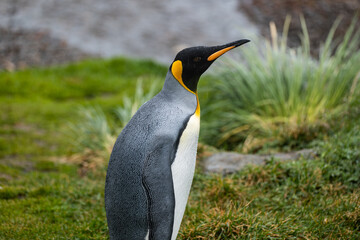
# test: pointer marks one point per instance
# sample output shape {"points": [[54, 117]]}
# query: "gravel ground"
{"points": [[22, 49], [153, 28]]}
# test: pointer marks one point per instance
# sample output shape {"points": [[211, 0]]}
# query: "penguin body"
{"points": [[152, 164]]}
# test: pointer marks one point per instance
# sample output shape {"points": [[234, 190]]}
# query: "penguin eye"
{"points": [[197, 59]]}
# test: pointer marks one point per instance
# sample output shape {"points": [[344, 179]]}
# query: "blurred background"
{"points": [[47, 32], [32, 31], [279, 146]]}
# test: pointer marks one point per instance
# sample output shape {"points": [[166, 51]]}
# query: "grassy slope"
{"points": [[40, 197], [43, 197]]}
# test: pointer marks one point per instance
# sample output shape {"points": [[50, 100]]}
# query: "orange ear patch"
{"points": [[217, 54], [176, 70]]}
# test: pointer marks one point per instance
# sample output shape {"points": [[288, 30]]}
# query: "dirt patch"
{"points": [[14, 161]]}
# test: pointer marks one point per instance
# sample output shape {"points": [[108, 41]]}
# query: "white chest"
{"points": [[183, 169]]}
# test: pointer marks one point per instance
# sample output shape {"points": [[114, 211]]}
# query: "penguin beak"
{"points": [[220, 50]]}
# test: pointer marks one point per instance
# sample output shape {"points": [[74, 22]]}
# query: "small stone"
{"points": [[230, 162]]}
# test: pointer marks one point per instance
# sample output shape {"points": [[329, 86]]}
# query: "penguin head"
{"points": [[190, 63]]}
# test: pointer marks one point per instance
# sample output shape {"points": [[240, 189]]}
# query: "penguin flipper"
{"points": [[158, 184]]}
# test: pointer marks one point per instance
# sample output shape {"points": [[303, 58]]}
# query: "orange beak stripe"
{"points": [[217, 54]]}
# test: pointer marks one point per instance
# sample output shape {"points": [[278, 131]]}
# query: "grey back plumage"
{"points": [[144, 151]]}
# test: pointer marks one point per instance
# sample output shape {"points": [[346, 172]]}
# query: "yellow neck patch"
{"points": [[197, 111], [176, 70]]}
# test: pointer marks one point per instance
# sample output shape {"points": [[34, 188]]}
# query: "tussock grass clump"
{"points": [[95, 131], [283, 95], [92, 131]]}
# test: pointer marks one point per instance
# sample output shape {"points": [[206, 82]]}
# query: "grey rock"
{"points": [[305, 153], [230, 162]]}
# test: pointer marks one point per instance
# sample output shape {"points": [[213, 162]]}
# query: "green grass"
{"points": [[88, 79], [47, 191], [304, 199], [37, 105], [51, 201], [53, 190]]}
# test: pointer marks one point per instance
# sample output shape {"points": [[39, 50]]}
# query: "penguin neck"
{"points": [[177, 92]]}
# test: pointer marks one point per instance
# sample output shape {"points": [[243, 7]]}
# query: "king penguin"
{"points": [[152, 163]]}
